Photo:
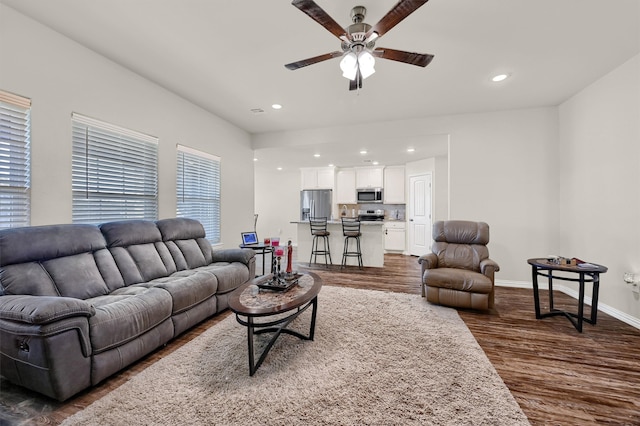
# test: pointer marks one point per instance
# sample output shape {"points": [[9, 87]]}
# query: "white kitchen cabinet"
{"points": [[394, 236], [369, 177], [394, 185], [346, 186], [317, 177]]}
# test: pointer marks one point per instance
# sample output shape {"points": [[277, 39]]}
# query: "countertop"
{"points": [[339, 222]]}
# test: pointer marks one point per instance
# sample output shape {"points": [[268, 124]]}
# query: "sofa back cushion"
{"points": [[138, 250], [53, 260], [185, 240]]}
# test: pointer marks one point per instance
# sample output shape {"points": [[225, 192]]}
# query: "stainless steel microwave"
{"points": [[369, 195]]}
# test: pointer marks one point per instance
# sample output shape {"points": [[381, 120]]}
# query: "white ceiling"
{"points": [[228, 56]]}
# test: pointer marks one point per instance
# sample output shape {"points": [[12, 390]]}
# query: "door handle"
{"points": [[410, 220]]}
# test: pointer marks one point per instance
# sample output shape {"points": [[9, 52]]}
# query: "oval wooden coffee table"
{"points": [[248, 304]]}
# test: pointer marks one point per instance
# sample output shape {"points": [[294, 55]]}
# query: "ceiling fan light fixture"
{"points": [[366, 62], [349, 65]]}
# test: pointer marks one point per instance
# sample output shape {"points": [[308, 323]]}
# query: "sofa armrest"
{"points": [[233, 255], [43, 309], [488, 267]]}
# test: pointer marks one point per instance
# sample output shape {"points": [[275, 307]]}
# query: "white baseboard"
{"points": [[622, 316]]}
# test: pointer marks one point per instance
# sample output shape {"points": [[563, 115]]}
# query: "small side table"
{"points": [[542, 267], [263, 249]]}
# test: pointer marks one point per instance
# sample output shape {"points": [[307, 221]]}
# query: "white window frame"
{"points": [[15, 160], [198, 189], [114, 172]]}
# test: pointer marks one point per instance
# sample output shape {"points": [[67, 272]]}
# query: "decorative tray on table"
{"points": [[282, 283]]}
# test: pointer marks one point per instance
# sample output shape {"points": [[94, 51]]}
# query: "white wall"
{"points": [[600, 180], [277, 200], [61, 77]]}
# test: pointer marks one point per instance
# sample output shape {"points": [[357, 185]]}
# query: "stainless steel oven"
{"points": [[369, 195]]}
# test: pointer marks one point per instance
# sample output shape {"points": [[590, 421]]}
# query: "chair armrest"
{"points": [[428, 261], [43, 309], [234, 255], [488, 267]]}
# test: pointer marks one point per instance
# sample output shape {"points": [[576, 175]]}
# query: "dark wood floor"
{"points": [[557, 375]]}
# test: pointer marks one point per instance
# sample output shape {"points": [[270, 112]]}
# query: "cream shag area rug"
{"points": [[378, 358]]}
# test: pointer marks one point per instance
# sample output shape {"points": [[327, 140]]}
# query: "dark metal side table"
{"points": [[542, 267], [261, 249]]}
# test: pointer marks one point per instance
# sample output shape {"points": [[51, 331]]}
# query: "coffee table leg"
{"points": [[314, 307], [252, 368]]}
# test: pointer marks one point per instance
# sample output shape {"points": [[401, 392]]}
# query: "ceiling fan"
{"points": [[358, 40]]}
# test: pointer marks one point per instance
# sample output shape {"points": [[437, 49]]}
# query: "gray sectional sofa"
{"points": [[80, 302]]}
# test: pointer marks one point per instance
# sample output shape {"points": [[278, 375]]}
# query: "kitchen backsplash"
{"points": [[391, 211]]}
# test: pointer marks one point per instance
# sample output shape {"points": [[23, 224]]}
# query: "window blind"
{"points": [[198, 189], [114, 172], [15, 160]]}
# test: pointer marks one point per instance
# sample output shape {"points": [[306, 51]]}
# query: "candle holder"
{"points": [[276, 268], [289, 270]]}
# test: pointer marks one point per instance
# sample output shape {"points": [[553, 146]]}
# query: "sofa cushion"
{"points": [[38, 243], [457, 279], [76, 276], [126, 314], [130, 232], [185, 240], [54, 260], [229, 275], [138, 250], [187, 288], [180, 229]]}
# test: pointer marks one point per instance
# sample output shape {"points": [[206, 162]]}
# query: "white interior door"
{"points": [[420, 214]]}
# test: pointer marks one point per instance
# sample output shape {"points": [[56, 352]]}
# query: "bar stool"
{"points": [[318, 227], [351, 230]]}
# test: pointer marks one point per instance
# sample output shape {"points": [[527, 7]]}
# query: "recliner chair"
{"points": [[459, 272]]}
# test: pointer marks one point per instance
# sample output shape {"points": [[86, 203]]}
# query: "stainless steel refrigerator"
{"points": [[315, 203]]}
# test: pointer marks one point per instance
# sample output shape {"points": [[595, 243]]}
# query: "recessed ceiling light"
{"points": [[375, 163], [411, 149], [363, 152], [330, 165], [255, 159], [276, 106], [500, 77], [316, 155], [279, 168]]}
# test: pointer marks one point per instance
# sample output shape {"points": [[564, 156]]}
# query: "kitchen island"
{"points": [[371, 243]]}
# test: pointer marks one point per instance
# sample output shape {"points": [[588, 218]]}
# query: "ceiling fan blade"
{"points": [[401, 10], [412, 58], [318, 14], [310, 61]]}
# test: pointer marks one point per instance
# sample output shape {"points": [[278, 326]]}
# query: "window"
{"points": [[198, 189], [115, 173], [15, 162]]}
